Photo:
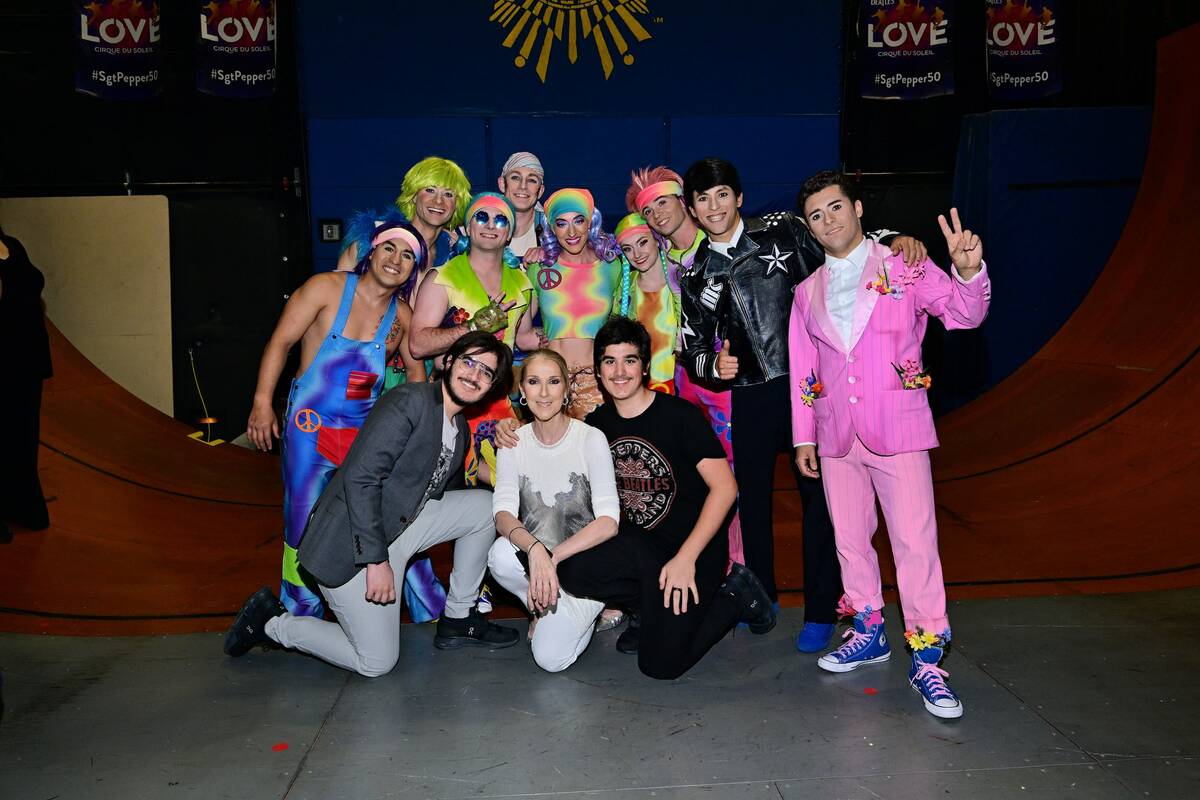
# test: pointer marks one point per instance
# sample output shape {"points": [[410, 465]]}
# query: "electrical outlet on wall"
{"points": [[331, 230]]}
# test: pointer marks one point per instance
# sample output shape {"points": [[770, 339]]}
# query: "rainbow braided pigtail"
{"points": [[626, 280]]}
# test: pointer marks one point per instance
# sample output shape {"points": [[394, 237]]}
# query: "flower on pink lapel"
{"points": [[810, 389], [911, 375], [907, 275], [884, 286]]}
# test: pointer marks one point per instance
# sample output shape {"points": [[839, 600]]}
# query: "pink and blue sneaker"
{"points": [[865, 643], [928, 678]]}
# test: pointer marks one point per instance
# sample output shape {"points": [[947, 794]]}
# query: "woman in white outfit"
{"points": [[556, 496]]}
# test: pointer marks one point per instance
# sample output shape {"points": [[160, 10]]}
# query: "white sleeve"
{"points": [[507, 494], [603, 479]]}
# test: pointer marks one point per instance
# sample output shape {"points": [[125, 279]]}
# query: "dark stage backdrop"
{"points": [[661, 81]]}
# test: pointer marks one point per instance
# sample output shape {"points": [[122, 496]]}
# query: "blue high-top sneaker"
{"points": [[928, 678], [866, 643]]}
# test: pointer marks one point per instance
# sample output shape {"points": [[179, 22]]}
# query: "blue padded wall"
{"points": [[1049, 191], [377, 97]]}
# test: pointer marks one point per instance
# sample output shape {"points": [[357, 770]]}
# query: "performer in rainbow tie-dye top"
{"points": [[575, 285], [644, 294]]}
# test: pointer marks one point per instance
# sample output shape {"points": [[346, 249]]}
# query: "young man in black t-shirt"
{"points": [[676, 489]]}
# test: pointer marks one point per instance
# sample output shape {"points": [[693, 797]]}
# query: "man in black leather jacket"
{"points": [[736, 301]]}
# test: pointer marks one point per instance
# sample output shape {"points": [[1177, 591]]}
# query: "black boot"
{"points": [[757, 610], [628, 641], [249, 628]]}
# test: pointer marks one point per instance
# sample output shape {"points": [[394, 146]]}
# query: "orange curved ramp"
{"points": [[150, 530]]}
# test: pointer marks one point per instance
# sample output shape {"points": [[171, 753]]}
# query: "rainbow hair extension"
{"points": [[435, 171], [603, 244], [627, 279]]}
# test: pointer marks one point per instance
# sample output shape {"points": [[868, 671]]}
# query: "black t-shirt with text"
{"points": [[655, 455]]}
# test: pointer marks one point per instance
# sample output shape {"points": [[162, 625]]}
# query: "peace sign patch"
{"points": [[308, 420], [549, 278]]}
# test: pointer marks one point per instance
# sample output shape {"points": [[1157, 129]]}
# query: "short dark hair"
{"points": [[823, 180], [707, 173], [622, 330], [476, 342]]}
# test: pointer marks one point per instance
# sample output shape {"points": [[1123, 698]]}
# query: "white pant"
{"points": [[366, 636], [561, 635]]}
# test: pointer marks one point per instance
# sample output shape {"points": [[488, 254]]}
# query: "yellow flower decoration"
{"points": [[919, 639]]}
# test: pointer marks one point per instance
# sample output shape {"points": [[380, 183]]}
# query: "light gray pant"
{"points": [[366, 636], [561, 635]]}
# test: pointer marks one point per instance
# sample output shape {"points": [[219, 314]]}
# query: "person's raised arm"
{"points": [[428, 337], [529, 337], [298, 316], [962, 300]]}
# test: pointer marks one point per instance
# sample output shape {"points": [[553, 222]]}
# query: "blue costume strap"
{"points": [[339, 323]]}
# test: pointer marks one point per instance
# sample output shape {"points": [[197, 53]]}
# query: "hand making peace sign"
{"points": [[966, 251]]}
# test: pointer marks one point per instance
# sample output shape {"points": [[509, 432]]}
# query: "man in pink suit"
{"points": [[859, 400]]}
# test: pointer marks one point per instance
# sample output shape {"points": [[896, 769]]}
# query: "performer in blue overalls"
{"points": [[347, 325]]}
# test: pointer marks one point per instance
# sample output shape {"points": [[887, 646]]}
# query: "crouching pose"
{"points": [[859, 401], [668, 560], [388, 502], [555, 497]]}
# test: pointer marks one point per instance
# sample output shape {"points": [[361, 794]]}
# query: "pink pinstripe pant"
{"points": [[904, 485]]}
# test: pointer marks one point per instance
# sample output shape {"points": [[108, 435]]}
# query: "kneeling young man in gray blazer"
{"points": [[388, 502]]}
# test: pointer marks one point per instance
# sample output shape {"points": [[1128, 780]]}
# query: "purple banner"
{"points": [[235, 48], [118, 50], [1024, 60], [905, 49]]}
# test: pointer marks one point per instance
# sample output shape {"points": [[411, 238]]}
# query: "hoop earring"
{"points": [[523, 401], [566, 401]]}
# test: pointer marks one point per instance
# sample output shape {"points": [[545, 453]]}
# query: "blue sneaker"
{"points": [[814, 636], [929, 679], [865, 644]]}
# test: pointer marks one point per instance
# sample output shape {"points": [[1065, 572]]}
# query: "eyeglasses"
{"points": [[482, 218], [478, 366]]}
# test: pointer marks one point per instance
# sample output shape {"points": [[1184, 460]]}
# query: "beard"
{"points": [[456, 397]]}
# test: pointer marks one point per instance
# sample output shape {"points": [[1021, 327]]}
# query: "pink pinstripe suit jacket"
{"points": [[862, 395]]}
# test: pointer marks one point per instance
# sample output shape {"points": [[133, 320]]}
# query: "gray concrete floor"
{"points": [[1090, 697]]}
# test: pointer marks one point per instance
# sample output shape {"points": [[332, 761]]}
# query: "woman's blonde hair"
{"points": [[544, 352]]}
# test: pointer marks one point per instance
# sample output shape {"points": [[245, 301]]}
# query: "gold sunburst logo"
{"points": [[570, 21]]}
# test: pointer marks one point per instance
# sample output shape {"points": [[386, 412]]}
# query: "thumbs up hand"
{"points": [[727, 364]]}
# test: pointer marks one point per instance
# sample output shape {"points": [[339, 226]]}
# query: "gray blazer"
{"points": [[375, 494]]}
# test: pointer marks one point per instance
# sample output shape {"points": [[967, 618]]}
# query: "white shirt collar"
{"points": [[857, 257], [724, 247]]}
